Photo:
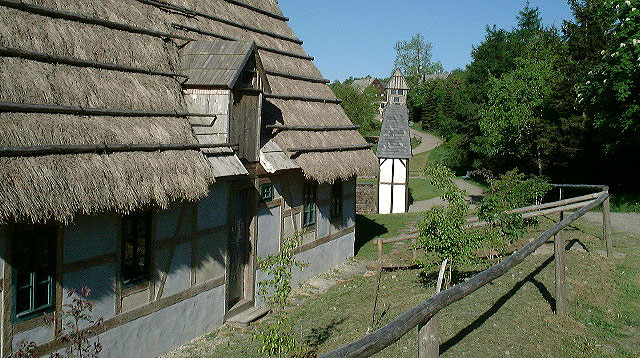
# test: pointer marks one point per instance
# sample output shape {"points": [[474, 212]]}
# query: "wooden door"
{"points": [[239, 246]]}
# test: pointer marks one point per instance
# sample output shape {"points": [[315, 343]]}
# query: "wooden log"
{"points": [[259, 10], [606, 226], [297, 77], [227, 38], [400, 238], [312, 128], [84, 111], [221, 20], [556, 203], [38, 150], [295, 97], [380, 251], [387, 335], [330, 149], [59, 14], [42, 57], [538, 213], [429, 333], [582, 186], [560, 268]]}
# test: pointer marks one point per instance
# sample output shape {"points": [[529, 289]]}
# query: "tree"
{"points": [[414, 59], [361, 108], [610, 92]]}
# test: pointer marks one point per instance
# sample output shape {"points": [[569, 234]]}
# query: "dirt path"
{"points": [[427, 141], [625, 222]]}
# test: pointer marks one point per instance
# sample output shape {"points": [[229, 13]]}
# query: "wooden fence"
{"points": [[421, 315]]}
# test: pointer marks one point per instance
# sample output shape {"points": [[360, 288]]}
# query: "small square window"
{"points": [[266, 192], [34, 268], [135, 253]]}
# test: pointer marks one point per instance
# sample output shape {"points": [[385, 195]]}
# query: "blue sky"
{"points": [[356, 37]]}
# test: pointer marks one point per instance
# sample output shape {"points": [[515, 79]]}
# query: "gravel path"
{"points": [[427, 141], [626, 222]]}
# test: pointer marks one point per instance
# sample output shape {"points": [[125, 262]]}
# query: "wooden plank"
{"points": [[429, 333], [560, 268], [392, 332], [336, 148], [606, 225], [323, 240]]}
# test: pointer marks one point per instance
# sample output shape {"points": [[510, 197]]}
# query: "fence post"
{"points": [[429, 333], [606, 226], [380, 251], [560, 263]]}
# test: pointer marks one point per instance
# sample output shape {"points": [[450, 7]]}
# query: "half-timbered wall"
{"points": [[184, 298], [393, 191]]}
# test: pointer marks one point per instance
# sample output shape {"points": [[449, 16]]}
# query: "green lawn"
{"points": [[372, 226], [418, 163], [421, 189], [625, 202], [511, 317]]}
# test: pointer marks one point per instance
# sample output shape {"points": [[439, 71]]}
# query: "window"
{"points": [[396, 99], [309, 205], [136, 241], [266, 192], [34, 268], [336, 200]]}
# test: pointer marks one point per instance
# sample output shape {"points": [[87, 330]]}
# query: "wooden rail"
{"points": [[419, 315]]}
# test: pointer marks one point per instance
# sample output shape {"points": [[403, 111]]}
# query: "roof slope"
{"points": [[60, 186], [395, 139], [214, 62], [397, 81]]}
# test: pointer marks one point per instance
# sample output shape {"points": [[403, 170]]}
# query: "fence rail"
{"points": [[420, 315]]}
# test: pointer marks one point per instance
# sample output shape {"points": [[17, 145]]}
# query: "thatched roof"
{"points": [[59, 186]]}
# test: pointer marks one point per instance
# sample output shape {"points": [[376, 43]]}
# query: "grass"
{"points": [[511, 317], [373, 226], [418, 163], [415, 142], [625, 202], [420, 189]]}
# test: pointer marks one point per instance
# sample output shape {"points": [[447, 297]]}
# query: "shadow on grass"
{"points": [[319, 336], [367, 231], [501, 301]]}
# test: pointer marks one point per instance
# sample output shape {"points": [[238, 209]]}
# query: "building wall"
{"points": [[184, 299], [393, 186]]}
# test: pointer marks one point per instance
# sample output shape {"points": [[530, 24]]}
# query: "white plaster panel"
{"points": [[100, 280], [166, 329], [386, 170], [210, 253], [384, 199], [349, 211], [179, 277], [399, 199], [322, 258], [268, 231], [90, 236], [400, 171], [323, 220], [212, 210], [38, 335], [167, 221]]}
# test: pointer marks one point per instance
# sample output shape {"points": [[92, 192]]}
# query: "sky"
{"points": [[356, 37]]}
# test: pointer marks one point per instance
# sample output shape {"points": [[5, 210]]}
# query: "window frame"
{"points": [[309, 204], [337, 200], [263, 189], [49, 235], [145, 218]]}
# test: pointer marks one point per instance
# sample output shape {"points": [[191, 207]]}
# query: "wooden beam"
{"points": [[258, 10], [228, 38], [297, 77], [295, 97], [37, 150], [46, 58], [560, 268], [16, 107], [556, 203], [392, 332], [606, 226], [59, 14], [582, 186], [312, 128], [222, 20], [330, 149], [539, 213]]}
